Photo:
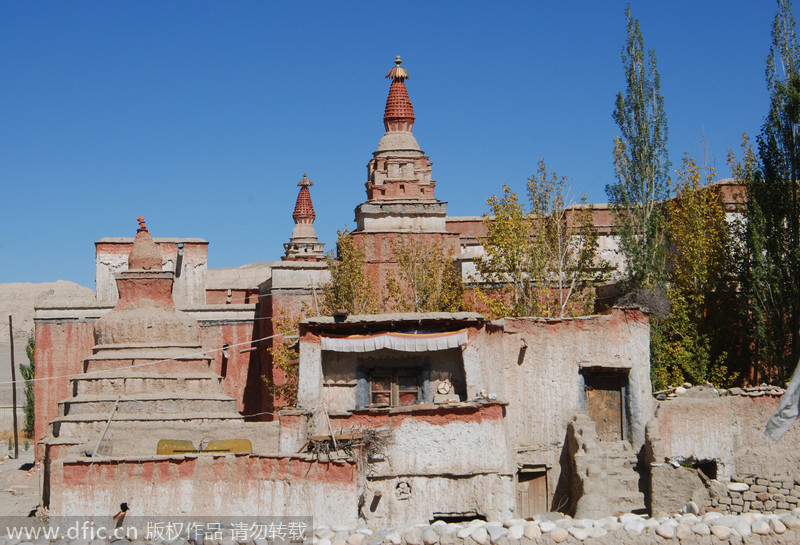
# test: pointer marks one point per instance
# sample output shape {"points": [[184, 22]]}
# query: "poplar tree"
{"points": [[772, 275], [685, 345], [641, 165]]}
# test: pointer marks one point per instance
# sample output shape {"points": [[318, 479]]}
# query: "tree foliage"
{"points": [[285, 361], [540, 262], [772, 275], [27, 372], [683, 347], [756, 296], [351, 288], [641, 164], [425, 279]]}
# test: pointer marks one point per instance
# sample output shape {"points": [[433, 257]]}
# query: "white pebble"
{"points": [[578, 533], [516, 531], [547, 526], [761, 527]]}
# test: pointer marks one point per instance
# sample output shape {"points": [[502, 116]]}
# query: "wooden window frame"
{"points": [[393, 376]]}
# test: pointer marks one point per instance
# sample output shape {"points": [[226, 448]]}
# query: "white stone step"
{"points": [[91, 425], [133, 382], [149, 365], [158, 403]]}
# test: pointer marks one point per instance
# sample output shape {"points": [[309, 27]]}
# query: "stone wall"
{"points": [[709, 447], [747, 493]]}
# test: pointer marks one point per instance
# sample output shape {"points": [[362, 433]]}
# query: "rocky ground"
{"points": [[18, 300], [19, 485], [547, 529]]}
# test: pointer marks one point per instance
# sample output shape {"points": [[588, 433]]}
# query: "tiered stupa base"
{"points": [[150, 393]]}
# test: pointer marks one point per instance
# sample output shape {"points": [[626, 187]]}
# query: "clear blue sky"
{"points": [[202, 116]]}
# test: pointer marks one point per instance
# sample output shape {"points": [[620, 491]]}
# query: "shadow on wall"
{"points": [[563, 501]]}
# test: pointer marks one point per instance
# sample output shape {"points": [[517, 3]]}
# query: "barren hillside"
{"points": [[18, 300]]}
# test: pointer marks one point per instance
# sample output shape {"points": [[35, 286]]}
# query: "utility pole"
{"points": [[13, 388]]}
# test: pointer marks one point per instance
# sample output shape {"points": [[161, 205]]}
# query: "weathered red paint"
{"points": [[60, 351], [436, 416]]}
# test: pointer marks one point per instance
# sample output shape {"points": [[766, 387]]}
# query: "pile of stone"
{"points": [[755, 391], [708, 390], [551, 528], [751, 493]]}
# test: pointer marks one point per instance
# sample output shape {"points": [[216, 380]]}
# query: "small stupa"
{"points": [[148, 378]]}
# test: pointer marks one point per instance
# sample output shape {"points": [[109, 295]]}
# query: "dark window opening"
{"points": [[455, 518], [707, 467]]}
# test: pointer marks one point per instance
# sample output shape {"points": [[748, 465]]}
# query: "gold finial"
{"points": [[398, 72], [305, 181], [142, 226]]}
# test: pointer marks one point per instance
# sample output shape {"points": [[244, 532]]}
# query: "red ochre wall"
{"points": [[279, 305], [236, 296], [241, 370], [61, 348], [207, 485]]}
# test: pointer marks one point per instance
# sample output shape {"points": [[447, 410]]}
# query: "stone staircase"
{"points": [[605, 473], [180, 399], [147, 378], [622, 478]]}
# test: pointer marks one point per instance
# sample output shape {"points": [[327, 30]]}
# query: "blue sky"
{"points": [[203, 116]]}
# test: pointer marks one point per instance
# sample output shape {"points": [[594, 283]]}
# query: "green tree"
{"points": [[771, 279], [757, 288], [426, 278], [351, 288], [542, 262], [641, 164], [682, 347], [27, 372]]}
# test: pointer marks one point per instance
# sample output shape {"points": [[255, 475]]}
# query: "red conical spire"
{"points": [[399, 113], [304, 208]]}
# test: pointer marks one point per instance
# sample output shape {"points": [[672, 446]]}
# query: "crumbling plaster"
{"points": [[728, 430]]}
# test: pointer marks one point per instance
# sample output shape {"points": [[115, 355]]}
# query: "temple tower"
{"points": [[304, 246], [400, 190]]}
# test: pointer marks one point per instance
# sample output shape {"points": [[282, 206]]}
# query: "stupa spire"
{"points": [[304, 246], [304, 208], [399, 113], [145, 254]]}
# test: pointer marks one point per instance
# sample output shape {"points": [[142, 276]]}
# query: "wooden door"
{"points": [[531, 493], [605, 404]]}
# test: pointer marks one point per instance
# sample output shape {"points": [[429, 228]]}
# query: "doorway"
{"points": [[531, 492], [605, 402]]}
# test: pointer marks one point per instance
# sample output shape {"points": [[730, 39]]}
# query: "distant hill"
{"points": [[18, 300]]}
